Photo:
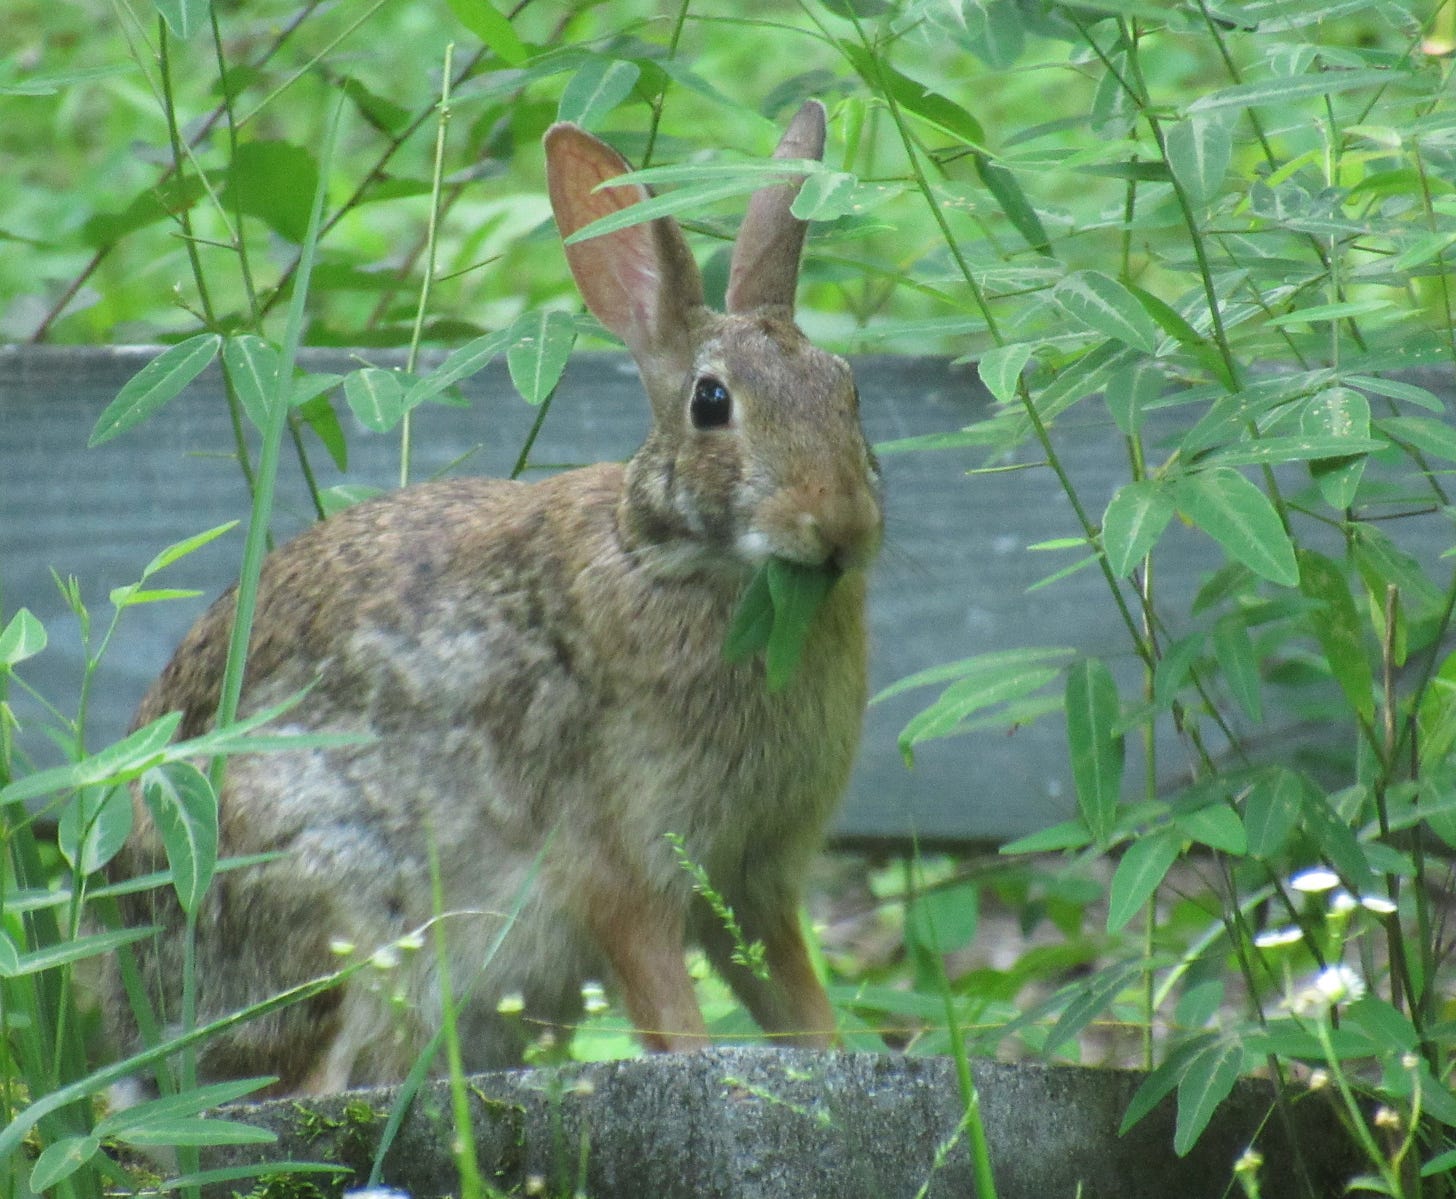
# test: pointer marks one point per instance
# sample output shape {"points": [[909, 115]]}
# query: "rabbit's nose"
{"points": [[846, 522]]}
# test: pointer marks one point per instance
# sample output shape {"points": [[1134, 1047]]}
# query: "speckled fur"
{"points": [[539, 670]]}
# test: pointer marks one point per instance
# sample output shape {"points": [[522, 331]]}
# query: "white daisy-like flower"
{"points": [[1272, 937], [1315, 880], [1377, 904], [1331, 986]]}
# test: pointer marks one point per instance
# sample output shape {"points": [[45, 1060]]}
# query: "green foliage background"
{"points": [[1239, 214]]}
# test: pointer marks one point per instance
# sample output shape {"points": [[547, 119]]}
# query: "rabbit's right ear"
{"points": [[640, 282]]}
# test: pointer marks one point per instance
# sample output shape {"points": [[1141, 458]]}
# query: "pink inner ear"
{"points": [[619, 274]]}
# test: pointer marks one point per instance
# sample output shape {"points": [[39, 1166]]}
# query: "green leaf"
{"points": [[1336, 841], [473, 356], [1382, 563], [1288, 90], [1433, 437], [1132, 389], [597, 87], [1206, 1082], [1337, 628], [170, 1107], [274, 181], [58, 1161], [1271, 811], [1000, 369], [319, 415], [971, 694], [1089, 1000], [1337, 412], [540, 345], [252, 366], [22, 638], [1160, 1082], [1299, 447], [752, 622], [1069, 834], [9, 956], [683, 200], [990, 666], [115, 764], [184, 809], [1135, 518], [376, 397], [346, 495], [1199, 151], [76, 949], [482, 19], [1234, 649], [797, 592], [1006, 191], [1093, 710], [1437, 716], [199, 1130], [62, 81], [1143, 867], [945, 919], [91, 829], [183, 17], [1240, 518], [1216, 826], [1105, 306], [386, 116], [826, 197], [1175, 665], [914, 97], [160, 202], [180, 549], [159, 381]]}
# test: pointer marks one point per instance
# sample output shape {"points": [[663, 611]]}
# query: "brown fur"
{"points": [[539, 672]]}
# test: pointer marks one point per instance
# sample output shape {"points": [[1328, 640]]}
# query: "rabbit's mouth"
{"points": [[837, 530]]}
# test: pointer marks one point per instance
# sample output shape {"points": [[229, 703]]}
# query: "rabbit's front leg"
{"points": [[643, 942], [791, 1002]]}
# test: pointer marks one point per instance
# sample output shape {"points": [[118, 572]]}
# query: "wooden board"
{"points": [[953, 580]]}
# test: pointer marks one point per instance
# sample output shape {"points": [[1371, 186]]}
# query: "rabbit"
{"points": [[539, 671]]}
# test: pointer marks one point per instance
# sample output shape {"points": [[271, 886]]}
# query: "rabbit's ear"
{"points": [[765, 269], [640, 282]]}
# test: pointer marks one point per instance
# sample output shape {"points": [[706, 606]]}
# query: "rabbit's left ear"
{"points": [[765, 270]]}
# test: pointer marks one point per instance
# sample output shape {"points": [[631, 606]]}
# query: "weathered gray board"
{"points": [[952, 581]]}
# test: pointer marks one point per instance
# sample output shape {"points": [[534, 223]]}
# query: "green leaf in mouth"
{"points": [[775, 615]]}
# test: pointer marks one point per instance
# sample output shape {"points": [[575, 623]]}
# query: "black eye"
{"points": [[712, 406]]}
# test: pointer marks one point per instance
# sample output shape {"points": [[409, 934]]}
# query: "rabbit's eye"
{"points": [[712, 406]]}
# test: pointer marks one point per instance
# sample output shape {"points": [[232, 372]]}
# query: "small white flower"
{"points": [[1342, 903], [385, 958], [1315, 880], [341, 947], [1333, 985], [1377, 904], [513, 1003], [1272, 937], [593, 997]]}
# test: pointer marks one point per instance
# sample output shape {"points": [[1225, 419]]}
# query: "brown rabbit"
{"points": [[541, 670]]}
